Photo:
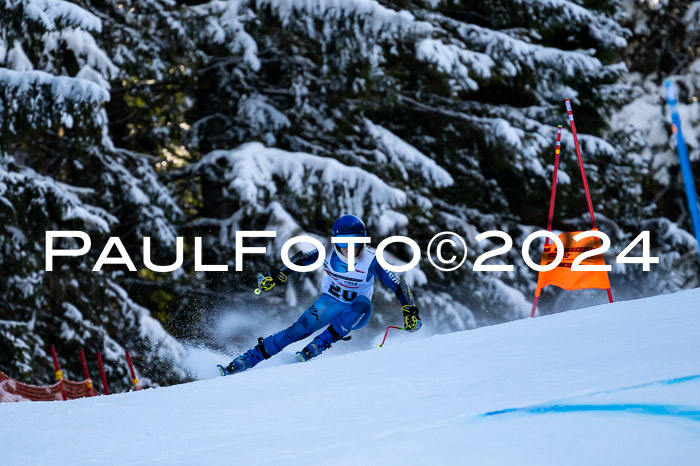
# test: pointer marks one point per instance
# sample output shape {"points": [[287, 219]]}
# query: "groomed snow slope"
{"points": [[613, 384]]}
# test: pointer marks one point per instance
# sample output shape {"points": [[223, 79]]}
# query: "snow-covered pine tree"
{"points": [[59, 170], [151, 43], [418, 116], [665, 44]]}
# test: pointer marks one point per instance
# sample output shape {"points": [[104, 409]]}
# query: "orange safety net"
{"points": [[562, 275], [12, 390]]}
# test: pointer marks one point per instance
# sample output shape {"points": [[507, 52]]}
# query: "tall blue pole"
{"points": [[690, 192]]}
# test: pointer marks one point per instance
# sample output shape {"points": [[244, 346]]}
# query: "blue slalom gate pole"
{"points": [[690, 192]]}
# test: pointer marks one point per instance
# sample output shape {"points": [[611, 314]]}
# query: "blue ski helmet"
{"points": [[348, 225]]}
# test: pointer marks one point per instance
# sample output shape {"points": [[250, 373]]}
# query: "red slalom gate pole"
{"points": [[557, 151], [387, 332], [583, 174], [580, 162], [105, 388], [86, 373], [534, 306], [134, 380], [59, 374]]}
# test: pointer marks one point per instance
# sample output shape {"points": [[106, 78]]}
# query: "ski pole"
{"points": [[387, 332], [257, 290]]}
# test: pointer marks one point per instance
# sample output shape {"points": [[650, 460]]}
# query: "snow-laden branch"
{"points": [[403, 155], [254, 175], [14, 183], [455, 59], [515, 55], [225, 25], [61, 87], [602, 28], [50, 12], [376, 19]]}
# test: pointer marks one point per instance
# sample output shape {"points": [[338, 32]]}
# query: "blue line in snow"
{"points": [[687, 412], [644, 385]]}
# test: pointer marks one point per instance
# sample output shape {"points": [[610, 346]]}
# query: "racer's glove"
{"points": [[411, 319], [268, 280]]}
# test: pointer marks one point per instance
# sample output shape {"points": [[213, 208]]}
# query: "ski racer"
{"points": [[344, 305]]}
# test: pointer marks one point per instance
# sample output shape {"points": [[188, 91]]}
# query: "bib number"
{"points": [[341, 293]]}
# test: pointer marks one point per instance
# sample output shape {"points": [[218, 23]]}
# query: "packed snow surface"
{"points": [[612, 384]]}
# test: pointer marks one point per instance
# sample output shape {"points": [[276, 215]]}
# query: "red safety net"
{"points": [[12, 390]]}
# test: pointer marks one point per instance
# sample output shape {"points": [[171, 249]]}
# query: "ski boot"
{"points": [[312, 350], [235, 366], [246, 360], [319, 344]]}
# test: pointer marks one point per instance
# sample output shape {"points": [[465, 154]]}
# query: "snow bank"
{"points": [[611, 384]]}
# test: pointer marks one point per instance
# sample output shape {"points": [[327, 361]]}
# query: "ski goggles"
{"points": [[344, 245]]}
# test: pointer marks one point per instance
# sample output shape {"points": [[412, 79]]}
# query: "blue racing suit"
{"points": [[345, 303]]}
